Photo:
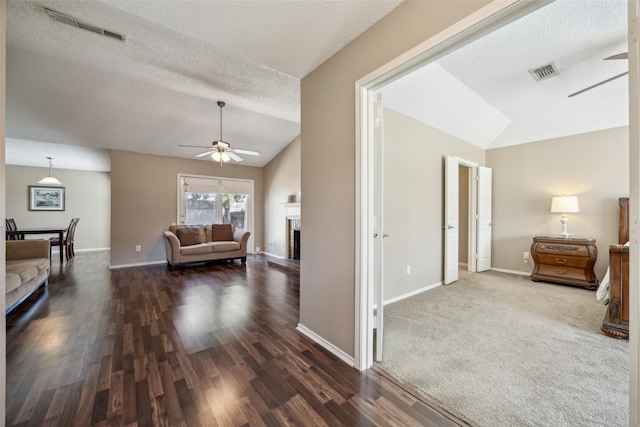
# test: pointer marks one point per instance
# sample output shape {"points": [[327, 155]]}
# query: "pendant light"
{"points": [[49, 180]]}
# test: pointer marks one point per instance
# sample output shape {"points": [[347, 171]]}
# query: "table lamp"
{"points": [[564, 205]]}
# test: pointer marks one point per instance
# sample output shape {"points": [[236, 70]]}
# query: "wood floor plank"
{"points": [[206, 345]]}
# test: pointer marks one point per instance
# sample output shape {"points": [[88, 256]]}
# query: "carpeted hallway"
{"points": [[498, 349]]}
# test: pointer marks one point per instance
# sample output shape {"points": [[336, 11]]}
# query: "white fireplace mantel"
{"points": [[293, 210]]}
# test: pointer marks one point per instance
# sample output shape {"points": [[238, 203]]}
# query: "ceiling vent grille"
{"points": [[544, 72], [70, 20]]}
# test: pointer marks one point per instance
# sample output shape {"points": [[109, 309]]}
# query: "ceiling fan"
{"points": [[220, 150], [618, 56]]}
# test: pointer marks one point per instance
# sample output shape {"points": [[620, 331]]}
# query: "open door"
{"points": [[484, 219], [451, 182], [479, 209]]}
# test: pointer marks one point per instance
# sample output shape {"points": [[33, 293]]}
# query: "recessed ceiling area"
{"points": [[483, 93]]}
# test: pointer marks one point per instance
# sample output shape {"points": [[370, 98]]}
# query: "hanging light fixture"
{"points": [[49, 180]]}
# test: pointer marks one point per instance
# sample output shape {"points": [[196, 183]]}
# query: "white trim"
{"points": [[272, 255], [92, 250], [136, 264], [495, 14], [57, 250], [463, 264], [504, 270], [412, 293], [326, 345]]}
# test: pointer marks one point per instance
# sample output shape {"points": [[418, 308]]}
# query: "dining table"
{"points": [[43, 230]]}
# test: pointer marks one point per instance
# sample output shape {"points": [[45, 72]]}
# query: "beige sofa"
{"points": [[27, 269], [197, 243]]}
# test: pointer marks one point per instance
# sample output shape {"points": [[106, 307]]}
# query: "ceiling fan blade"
{"points": [[598, 84], [195, 146], [247, 152], [234, 156], [206, 153], [624, 55]]}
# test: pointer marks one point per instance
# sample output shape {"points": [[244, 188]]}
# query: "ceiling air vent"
{"points": [[544, 72], [70, 20]]}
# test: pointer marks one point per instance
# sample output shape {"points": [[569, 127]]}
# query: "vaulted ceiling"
{"points": [[72, 92], [159, 88], [483, 92]]}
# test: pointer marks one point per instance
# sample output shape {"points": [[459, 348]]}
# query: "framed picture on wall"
{"points": [[46, 198]]}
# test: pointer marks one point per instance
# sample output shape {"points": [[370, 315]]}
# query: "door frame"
{"points": [[485, 20], [494, 15]]}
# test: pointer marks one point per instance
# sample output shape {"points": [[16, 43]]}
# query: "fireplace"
{"points": [[293, 238]]}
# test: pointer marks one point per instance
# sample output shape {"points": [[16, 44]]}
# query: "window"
{"points": [[212, 200]]}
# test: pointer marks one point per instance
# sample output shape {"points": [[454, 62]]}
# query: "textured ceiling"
{"points": [[71, 87], [483, 93], [159, 88]]}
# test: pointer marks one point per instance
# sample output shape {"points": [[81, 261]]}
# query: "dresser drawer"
{"points": [[564, 273], [561, 260], [562, 248], [565, 260]]}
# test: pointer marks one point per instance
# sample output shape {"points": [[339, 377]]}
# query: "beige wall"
{"points": [[87, 196], [144, 201], [327, 291], [413, 201], [592, 166], [3, 284], [281, 179]]}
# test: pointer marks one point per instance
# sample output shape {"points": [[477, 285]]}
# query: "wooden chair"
{"points": [[68, 242], [10, 224]]}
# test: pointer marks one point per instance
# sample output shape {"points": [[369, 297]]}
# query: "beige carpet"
{"points": [[500, 350]]}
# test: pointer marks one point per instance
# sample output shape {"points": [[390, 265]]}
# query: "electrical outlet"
{"points": [[138, 248], [408, 270], [525, 255], [258, 249]]}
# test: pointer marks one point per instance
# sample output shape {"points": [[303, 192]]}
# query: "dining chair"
{"points": [[67, 243], [10, 224]]}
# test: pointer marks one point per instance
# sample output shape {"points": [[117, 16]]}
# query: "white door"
{"points": [[378, 223], [451, 220], [484, 219]]}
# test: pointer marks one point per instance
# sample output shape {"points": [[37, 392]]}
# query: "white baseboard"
{"points": [[272, 255], [503, 270], [136, 264], [463, 264], [57, 250], [92, 250], [412, 293], [349, 360]]}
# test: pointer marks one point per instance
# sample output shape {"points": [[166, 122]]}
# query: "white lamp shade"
{"points": [[49, 180], [216, 156], [225, 157], [564, 204]]}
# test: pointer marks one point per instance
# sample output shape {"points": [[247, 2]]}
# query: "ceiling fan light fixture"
{"points": [[216, 156], [225, 157]]}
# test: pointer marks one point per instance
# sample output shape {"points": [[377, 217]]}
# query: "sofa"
{"points": [[27, 269], [197, 243]]}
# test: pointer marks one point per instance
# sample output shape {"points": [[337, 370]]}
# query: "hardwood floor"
{"points": [[212, 345]]}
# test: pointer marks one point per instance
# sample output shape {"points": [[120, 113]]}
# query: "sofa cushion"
{"points": [[199, 249], [23, 270], [13, 281], [225, 246], [222, 233], [190, 235]]}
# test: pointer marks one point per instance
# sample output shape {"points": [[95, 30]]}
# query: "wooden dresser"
{"points": [[563, 260]]}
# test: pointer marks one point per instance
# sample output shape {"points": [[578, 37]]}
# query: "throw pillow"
{"points": [[222, 232], [189, 235]]}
